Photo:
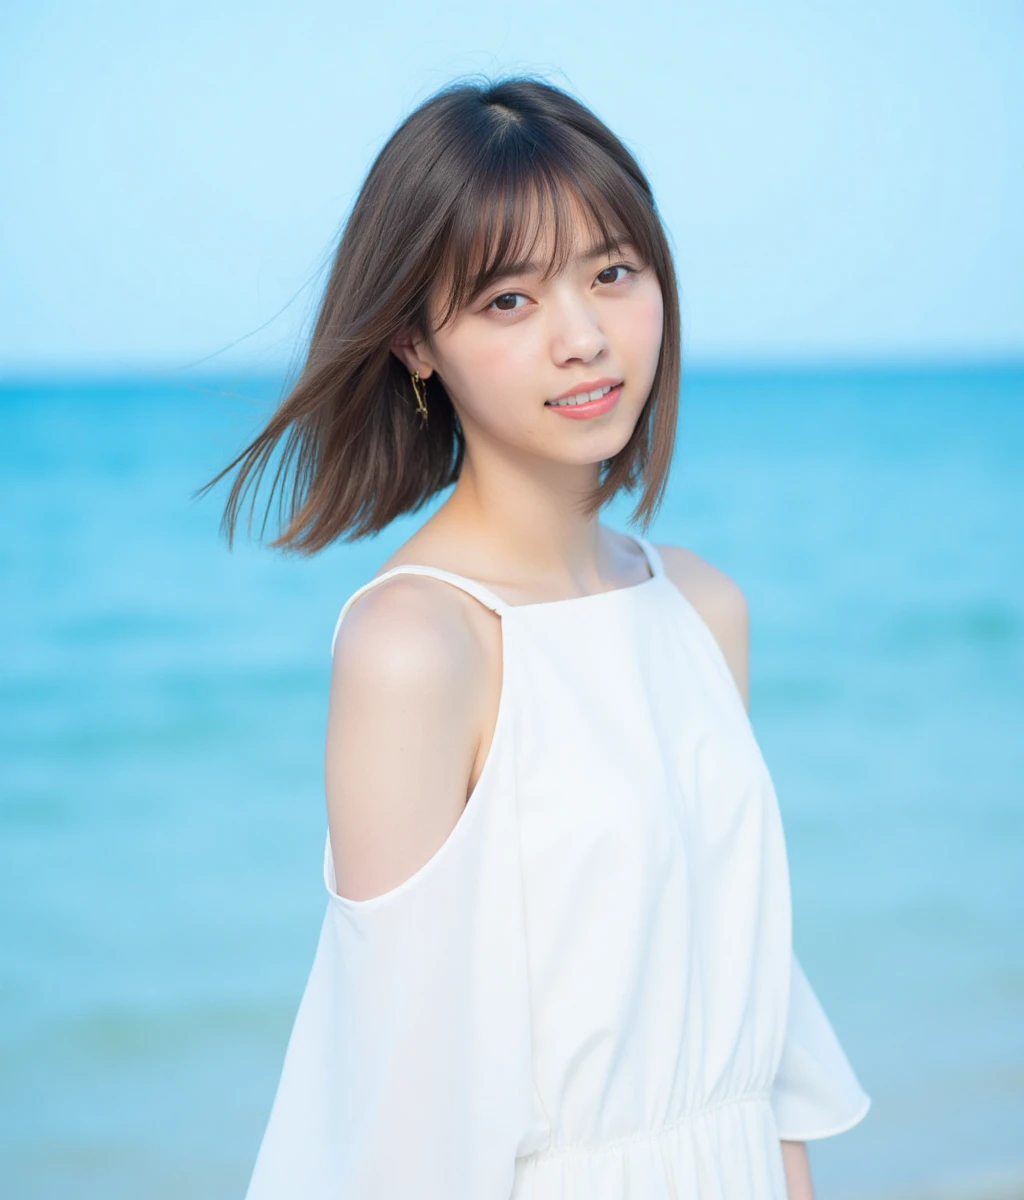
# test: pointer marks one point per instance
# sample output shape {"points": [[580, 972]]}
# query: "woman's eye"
{"points": [[602, 276], [506, 302]]}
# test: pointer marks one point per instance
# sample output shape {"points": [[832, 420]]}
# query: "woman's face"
{"points": [[529, 342]]}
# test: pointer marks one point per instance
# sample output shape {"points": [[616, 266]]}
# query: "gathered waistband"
{"points": [[620, 1144]]}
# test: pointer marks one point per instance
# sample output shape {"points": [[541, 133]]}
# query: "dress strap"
{"points": [[651, 553], [475, 589]]}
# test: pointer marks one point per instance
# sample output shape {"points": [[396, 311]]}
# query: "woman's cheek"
{"points": [[509, 365], [473, 366], [492, 376], [647, 319]]}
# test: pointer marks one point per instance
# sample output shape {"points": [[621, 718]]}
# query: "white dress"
{"points": [[589, 991]]}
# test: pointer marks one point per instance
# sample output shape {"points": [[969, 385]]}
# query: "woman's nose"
{"points": [[577, 332]]}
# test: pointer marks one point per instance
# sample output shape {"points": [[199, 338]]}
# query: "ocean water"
{"points": [[162, 710]]}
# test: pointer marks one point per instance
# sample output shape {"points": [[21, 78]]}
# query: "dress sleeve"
{"points": [[815, 1093], [408, 1071]]}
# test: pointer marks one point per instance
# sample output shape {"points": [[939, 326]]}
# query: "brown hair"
{"points": [[445, 201]]}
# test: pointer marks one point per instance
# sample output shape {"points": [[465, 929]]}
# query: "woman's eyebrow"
{"points": [[599, 249]]}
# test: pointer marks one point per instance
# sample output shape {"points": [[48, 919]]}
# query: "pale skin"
{"points": [[417, 663]]}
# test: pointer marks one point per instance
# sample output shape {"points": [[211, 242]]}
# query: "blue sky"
{"points": [[839, 180]]}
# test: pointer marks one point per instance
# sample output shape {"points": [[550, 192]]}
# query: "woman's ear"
{"points": [[409, 349]]}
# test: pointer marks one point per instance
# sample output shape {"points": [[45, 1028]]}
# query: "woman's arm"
{"points": [[401, 730], [723, 607], [798, 1171], [408, 1072]]}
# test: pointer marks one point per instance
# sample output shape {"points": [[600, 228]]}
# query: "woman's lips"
{"points": [[590, 408]]}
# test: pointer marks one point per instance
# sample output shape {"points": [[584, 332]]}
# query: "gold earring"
{"points": [[419, 387]]}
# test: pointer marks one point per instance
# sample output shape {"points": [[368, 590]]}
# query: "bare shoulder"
{"points": [[709, 589], [720, 602], [410, 667], [408, 631]]}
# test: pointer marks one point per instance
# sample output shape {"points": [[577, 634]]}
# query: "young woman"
{"points": [[556, 960]]}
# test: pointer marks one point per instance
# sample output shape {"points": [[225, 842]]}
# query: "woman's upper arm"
{"points": [[722, 606], [409, 1070], [400, 731]]}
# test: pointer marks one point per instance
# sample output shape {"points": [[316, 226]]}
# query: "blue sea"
{"points": [[162, 713]]}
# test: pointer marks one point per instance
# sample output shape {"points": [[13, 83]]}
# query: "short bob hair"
{"points": [[463, 188]]}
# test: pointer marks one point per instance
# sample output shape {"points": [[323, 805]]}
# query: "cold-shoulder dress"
{"points": [[589, 991]]}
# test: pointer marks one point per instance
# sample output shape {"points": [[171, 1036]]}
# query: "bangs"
{"points": [[519, 200]]}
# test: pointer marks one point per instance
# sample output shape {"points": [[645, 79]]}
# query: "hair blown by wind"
{"points": [[463, 189]]}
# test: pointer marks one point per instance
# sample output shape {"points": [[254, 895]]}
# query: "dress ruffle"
{"points": [[815, 1093]]}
